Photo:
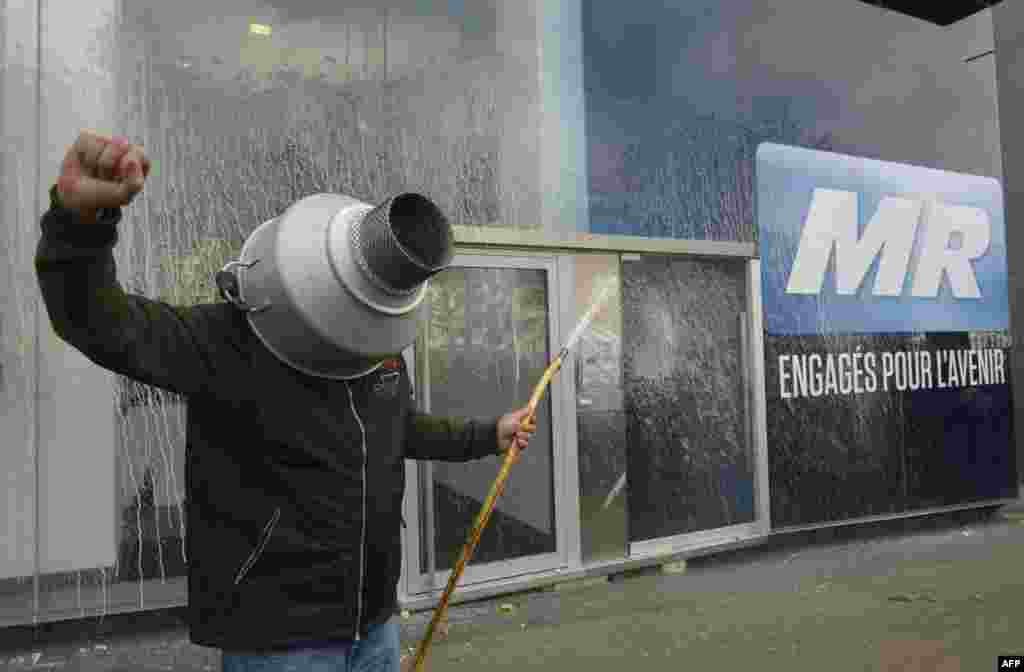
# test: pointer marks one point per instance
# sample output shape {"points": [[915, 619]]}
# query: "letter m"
{"points": [[832, 224]]}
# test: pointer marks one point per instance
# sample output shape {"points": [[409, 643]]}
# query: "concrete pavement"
{"points": [[939, 594]]}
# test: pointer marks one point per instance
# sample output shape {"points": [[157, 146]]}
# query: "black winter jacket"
{"points": [[294, 484]]}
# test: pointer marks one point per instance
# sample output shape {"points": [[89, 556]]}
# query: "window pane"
{"points": [[244, 108], [690, 458], [488, 347], [600, 414]]}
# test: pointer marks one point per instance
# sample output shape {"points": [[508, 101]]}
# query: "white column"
{"points": [[563, 139], [543, 144], [77, 436], [18, 305], [517, 85]]}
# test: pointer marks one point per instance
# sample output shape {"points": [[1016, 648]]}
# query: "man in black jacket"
{"points": [[294, 482]]}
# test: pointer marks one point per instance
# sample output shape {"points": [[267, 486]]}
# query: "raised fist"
{"points": [[100, 172]]}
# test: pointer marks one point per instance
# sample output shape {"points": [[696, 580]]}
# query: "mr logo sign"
{"points": [[831, 227], [852, 245], [875, 278]]}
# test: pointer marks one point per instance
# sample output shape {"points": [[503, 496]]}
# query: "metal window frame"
{"points": [[752, 354], [419, 474], [498, 247]]}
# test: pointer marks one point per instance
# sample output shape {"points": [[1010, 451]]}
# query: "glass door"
{"points": [[490, 335], [686, 368]]}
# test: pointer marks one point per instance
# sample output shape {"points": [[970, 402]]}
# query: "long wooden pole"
{"points": [[511, 456]]}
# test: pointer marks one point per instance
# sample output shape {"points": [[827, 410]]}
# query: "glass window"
{"points": [[487, 348], [689, 454], [679, 93], [244, 108], [601, 414]]}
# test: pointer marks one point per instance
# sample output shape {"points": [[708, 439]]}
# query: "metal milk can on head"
{"points": [[334, 286]]}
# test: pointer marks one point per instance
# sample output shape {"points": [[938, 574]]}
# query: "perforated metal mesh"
{"points": [[402, 242]]}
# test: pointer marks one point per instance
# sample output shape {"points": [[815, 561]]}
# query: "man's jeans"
{"points": [[378, 652]]}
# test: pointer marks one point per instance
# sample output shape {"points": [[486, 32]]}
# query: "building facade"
{"points": [[571, 143]]}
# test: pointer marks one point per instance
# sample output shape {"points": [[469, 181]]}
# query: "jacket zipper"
{"points": [[268, 529], [362, 537]]}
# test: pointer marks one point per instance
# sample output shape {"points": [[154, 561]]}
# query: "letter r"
{"points": [[942, 221]]}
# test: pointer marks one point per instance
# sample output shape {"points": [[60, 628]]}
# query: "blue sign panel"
{"points": [[852, 245]]}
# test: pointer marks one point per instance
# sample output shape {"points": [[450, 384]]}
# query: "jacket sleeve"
{"points": [[149, 341], [430, 437]]}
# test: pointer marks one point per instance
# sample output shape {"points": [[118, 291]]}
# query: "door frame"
{"points": [[752, 366], [419, 474]]}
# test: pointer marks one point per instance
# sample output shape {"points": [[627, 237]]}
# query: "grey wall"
{"points": [[678, 93], [1008, 19]]}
